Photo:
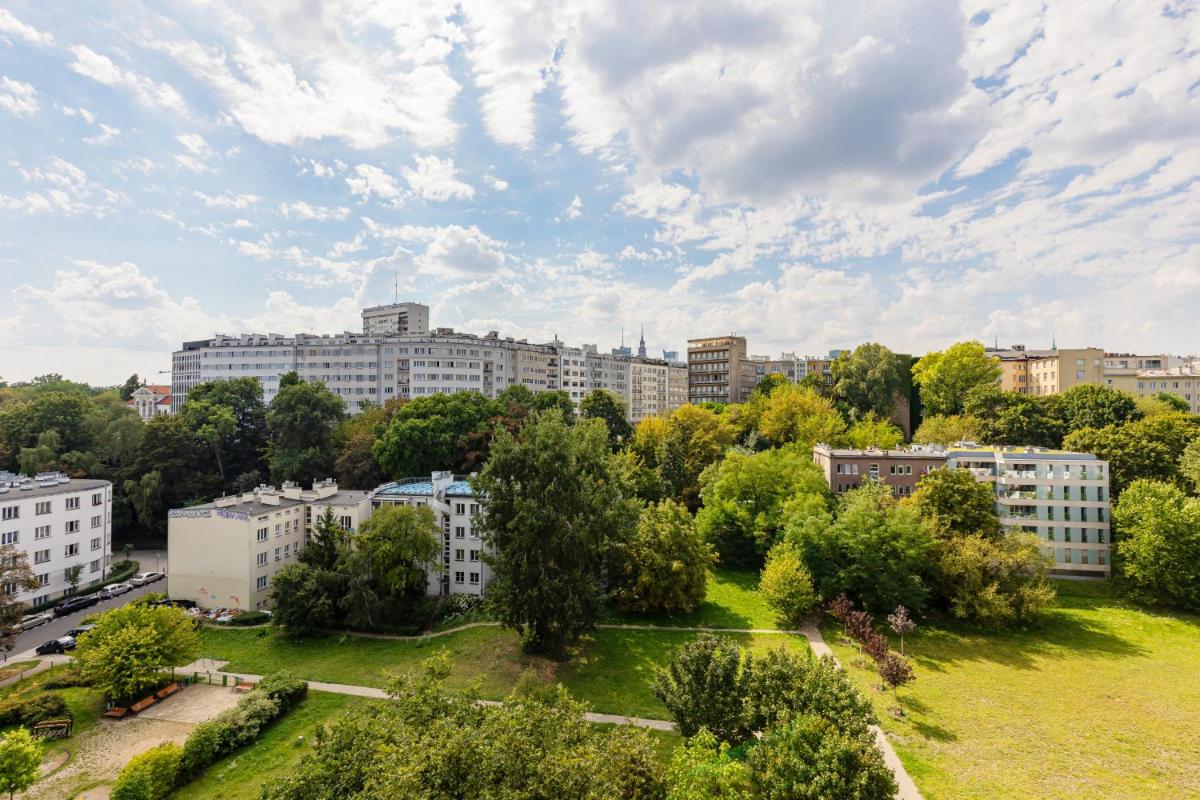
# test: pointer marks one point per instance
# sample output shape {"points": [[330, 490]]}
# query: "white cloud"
{"points": [[60, 186], [303, 210], [369, 180], [495, 183], [18, 98], [574, 208], [12, 26], [228, 200], [107, 134], [436, 179], [102, 69]]}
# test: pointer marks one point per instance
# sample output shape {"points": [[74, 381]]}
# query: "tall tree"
{"points": [[1148, 449], [300, 427], [543, 401], [126, 652], [215, 426], [665, 563], [1159, 545], [426, 433], [869, 379], [1013, 418], [954, 503], [131, 385], [681, 447], [604, 405], [945, 377], [554, 510], [995, 582], [871, 431], [15, 577], [402, 543], [938, 429], [797, 415], [246, 448]]}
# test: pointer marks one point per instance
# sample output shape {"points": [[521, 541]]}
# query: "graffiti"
{"points": [[188, 513], [233, 515]]}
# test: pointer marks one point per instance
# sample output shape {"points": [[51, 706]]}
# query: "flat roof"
{"points": [[1025, 452], [73, 485], [251, 506], [424, 488], [345, 497]]}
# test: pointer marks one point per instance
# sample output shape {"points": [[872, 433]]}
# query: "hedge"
{"points": [[149, 776], [250, 618], [17, 711]]}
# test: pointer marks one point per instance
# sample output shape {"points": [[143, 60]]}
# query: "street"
{"points": [[30, 639]]}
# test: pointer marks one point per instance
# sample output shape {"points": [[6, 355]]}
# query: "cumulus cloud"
{"points": [[302, 210], [103, 69], [227, 200], [369, 180], [11, 27], [18, 98], [437, 179]]}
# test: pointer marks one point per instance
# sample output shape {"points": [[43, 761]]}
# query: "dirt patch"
{"points": [[53, 760]]}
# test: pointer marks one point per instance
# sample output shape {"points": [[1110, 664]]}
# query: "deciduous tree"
{"points": [[300, 425], [871, 431], [1159, 544], [938, 429], [604, 405], [868, 380], [20, 757], [665, 563], [808, 758], [995, 582], [787, 587], [126, 652], [798, 415], [954, 503], [426, 434], [945, 377], [701, 687]]}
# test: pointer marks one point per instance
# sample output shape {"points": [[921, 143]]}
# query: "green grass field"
{"points": [[86, 705], [611, 670], [1100, 701], [732, 601]]}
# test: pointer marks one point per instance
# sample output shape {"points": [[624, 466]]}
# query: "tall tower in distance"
{"points": [[642, 344]]}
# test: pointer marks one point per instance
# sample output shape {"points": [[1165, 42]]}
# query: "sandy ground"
{"points": [[106, 748]]}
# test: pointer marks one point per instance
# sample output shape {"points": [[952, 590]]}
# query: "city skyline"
{"points": [[808, 177]]}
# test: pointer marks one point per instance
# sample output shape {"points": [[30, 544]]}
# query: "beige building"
{"points": [[150, 401], [677, 385], [1043, 372], [224, 554], [719, 370], [649, 389], [1183, 382], [397, 318]]}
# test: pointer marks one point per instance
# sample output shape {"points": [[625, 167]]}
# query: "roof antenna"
{"points": [[396, 284]]}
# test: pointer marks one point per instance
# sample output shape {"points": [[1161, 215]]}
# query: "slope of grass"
{"points": [[1099, 701], [732, 601]]}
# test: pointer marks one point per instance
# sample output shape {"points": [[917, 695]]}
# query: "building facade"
{"points": [[1045, 372], [224, 554], [60, 523], [649, 389], [1182, 382], [397, 318], [719, 370], [150, 401], [847, 469]]}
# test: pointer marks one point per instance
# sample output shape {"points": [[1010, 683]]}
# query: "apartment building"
{"points": [[150, 401], [454, 506], [1043, 372], [677, 384], [60, 523], [1060, 497], [224, 554], [649, 389], [820, 366], [787, 365], [1182, 382], [397, 318], [719, 370]]}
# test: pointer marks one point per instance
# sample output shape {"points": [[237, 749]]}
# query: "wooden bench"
{"points": [[167, 691], [243, 686], [116, 712], [53, 729], [142, 705]]}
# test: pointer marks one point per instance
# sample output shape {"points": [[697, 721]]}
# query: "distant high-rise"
{"points": [[398, 318]]}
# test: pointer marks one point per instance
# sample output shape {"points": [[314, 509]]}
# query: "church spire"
{"points": [[642, 344]]}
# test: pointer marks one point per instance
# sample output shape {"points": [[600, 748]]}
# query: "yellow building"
{"points": [[1183, 382], [1043, 372]]}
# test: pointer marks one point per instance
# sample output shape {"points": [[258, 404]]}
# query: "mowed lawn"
{"points": [[1101, 701], [732, 601], [611, 670]]}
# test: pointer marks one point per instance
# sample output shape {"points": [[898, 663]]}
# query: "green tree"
{"points": [[401, 544], [745, 497], [304, 599], [20, 757], [1159, 544], [425, 434], [945, 377], [665, 562], [798, 415], [876, 551], [214, 425], [869, 379], [681, 447], [787, 587], [995, 582], [954, 503], [779, 684], [125, 653], [701, 687], [300, 426], [807, 758], [15, 572], [1013, 418], [150, 775], [937, 429], [871, 431], [1148, 449], [327, 542], [169, 470], [72, 574], [1090, 405], [555, 510], [245, 447], [1189, 464], [604, 405], [131, 385], [1172, 401], [768, 384], [544, 401], [702, 768]]}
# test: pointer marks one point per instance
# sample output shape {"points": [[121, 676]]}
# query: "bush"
{"points": [[251, 618], [808, 758], [778, 684], [702, 688], [69, 679], [996, 583], [284, 688], [203, 747], [665, 563], [21, 711], [787, 587], [149, 776]]}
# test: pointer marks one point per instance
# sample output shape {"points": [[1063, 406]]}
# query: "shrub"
{"points": [[68, 679], [778, 684], [251, 618], [787, 587], [149, 776], [996, 583], [21, 711], [665, 563], [203, 747], [284, 688], [702, 688], [808, 758]]}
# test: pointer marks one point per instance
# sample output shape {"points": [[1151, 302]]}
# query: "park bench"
{"points": [[142, 705], [116, 712], [167, 691], [53, 729], [243, 686]]}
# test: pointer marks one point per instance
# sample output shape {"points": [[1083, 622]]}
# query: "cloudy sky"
{"points": [[809, 174]]}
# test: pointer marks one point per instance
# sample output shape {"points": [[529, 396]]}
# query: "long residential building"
{"points": [[1182, 382], [60, 523], [1060, 497]]}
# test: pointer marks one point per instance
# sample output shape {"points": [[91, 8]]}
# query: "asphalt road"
{"points": [[60, 625]]}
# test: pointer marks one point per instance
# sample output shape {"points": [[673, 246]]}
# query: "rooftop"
{"points": [[422, 487], [18, 487]]}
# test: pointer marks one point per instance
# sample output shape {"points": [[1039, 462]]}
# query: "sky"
{"points": [[811, 175]]}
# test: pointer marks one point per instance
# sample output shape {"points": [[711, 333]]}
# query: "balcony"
{"points": [[1020, 474], [1022, 494]]}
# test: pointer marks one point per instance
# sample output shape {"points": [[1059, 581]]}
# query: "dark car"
{"points": [[74, 604], [75, 633], [56, 646]]}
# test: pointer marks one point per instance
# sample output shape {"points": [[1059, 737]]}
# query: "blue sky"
{"points": [[809, 175]]}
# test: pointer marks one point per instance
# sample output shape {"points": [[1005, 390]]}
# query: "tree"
{"points": [[901, 623], [1189, 464], [20, 758], [72, 574], [245, 446], [780, 683], [555, 509], [954, 503], [995, 582], [745, 497], [14, 572], [1013, 418], [131, 385], [327, 542], [702, 768], [896, 672], [768, 384], [125, 653], [1159, 544], [604, 405], [1091, 405], [1148, 449], [681, 448], [938, 429], [868, 380], [876, 551], [945, 377], [807, 758], [151, 775], [666, 562], [425, 434], [1173, 402], [871, 431], [401, 543], [169, 470], [212, 424], [544, 401], [702, 689], [787, 587], [300, 425], [796, 414], [304, 599]]}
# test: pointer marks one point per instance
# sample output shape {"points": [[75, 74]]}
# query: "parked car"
{"points": [[175, 603], [73, 604], [112, 590], [80, 630], [142, 578], [56, 646], [30, 621]]}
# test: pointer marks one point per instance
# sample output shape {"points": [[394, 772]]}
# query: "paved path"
{"points": [[41, 666]]}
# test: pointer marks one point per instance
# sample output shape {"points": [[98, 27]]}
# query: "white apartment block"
{"points": [[454, 506], [224, 554], [59, 523], [649, 389], [399, 318]]}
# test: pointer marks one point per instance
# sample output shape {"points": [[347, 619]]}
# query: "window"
{"points": [[458, 555], [460, 532], [41, 556], [346, 522], [474, 508], [475, 578], [96, 543], [10, 512], [98, 499], [9, 588], [287, 551], [72, 504], [262, 559], [277, 556], [71, 549], [44, 579], [42, 507], [262, 534], [73, 526], [97, 521], [261, 583], [474, 555], [94, 566], [458, 577], [10, 537]]}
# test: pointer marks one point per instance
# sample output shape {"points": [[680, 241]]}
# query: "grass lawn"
{"points": [[611, 670], [732, 601], [15, 668], [85, 704], [242, 775], [1100, 701]]}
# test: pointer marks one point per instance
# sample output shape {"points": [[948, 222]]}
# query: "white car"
{"points": [[30, 621], [142, 578], [109, 592]]}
